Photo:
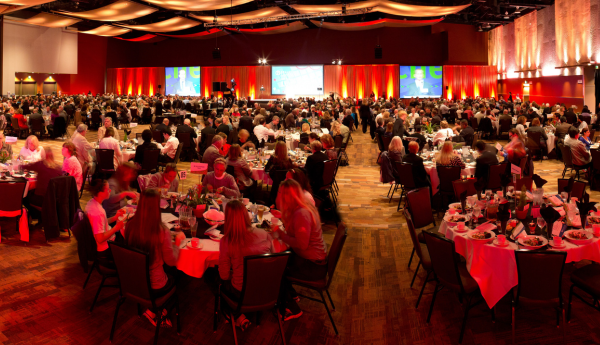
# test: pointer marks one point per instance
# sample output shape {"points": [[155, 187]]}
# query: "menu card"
{"points": [[559, 229], [518, 231]]}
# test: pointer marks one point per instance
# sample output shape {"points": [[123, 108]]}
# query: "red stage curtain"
{"points": [[141, 80], [464, 81], [360, 80]]}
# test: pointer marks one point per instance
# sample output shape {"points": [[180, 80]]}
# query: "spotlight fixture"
{"points": [[215, 20], [216, 54], [506, 16], [336, 62], [262, 61], [339, 61], [333, 62], [480, 29], [517, 11]]}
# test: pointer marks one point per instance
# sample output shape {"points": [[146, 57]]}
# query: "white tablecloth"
{"points": [[551, 142], [495, 269], [194, 262], [435, 180], [126, 155]]}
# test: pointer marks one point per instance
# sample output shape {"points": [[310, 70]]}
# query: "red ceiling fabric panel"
{"points": [[211, 33], [138, 39], [470, 81], [295, 26], [375, 24]]}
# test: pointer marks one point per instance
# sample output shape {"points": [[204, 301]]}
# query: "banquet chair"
{"points": [[595, 167], [422, 253], [505, 126], [146, 116], [567, 160], [475, 140], [277, 176], [447, 174], [37, 128], [134, 114], [405, 179], [464, 185], [323, 284], [474, 124], [158, 137], [538, 288], [578, 188], [232, 136], [11, 203], [105, 162], [382, 147], [494, 173], [188, 149], [133, 270], [60, 127], [96, 120], [525, 181], [526, 166], [451, 273], [85, 173], [149, 162], [18, 130], [586, 279], [329, 171], [263, 276], [420, 212], [534, 144], [175, 159]]}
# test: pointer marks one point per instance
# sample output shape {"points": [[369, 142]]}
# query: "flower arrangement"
{"points": [[429, 128], [4, 156]]}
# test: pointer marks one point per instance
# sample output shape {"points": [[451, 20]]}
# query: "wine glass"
{"points": [[476, 213], [541, 223], [193, 228], [532, 226]]}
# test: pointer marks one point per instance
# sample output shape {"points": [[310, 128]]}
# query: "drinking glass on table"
{"points": [[541, 223], [261, 211], [476, 214], [564, 196], [193, 226], [532, 226]]}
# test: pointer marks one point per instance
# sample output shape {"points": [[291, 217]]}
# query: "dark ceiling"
{"points": [[485, 14]]}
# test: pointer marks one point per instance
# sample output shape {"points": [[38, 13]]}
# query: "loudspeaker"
{"points": [[216, 86], [446, 87], [217, 54], [224, 86], [159, 86], [378, 52]]}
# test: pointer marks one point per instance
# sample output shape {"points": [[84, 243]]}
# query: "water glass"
{"points": [[541, 222]]}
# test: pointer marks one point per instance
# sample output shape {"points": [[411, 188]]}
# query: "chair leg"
{"points": [[89, 274], [564, 325], [570, 301], [158, 323], [112, 331], [432, 301], [416, 271], [513, 324], [216, 314], [177, 314], [232, 321], [464, 323], [97, 294], [411, 257], [422, 289], [280, 327], [328, 312], [330, 300], [388, 194]]}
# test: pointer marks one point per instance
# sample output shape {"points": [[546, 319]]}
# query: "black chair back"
{"points": [[147, 115], [158, 136], [37, 124], [595, 159], [382, 147], [329, 169], [387, 140], [232, 136], [133, 267], [405, 174], [419, 204], [230, 170], [60, 126], [566, 156], [185, 139], [467, 185], [578, 188], [150, 160], [304, 138], [96, 117], [262, 281], [443, 260], [134, 113], [534, 140], [12, 196], [525, 181], [474, 123], [178, 153], [338, 141], [105, 159], [335, 251], [536, 283], [494, 173], [413, 234], [447, 174], [505, 125]]}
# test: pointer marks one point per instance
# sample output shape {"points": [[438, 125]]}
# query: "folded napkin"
{"points": [[560, 211], [539, 182], [550, 215], [585, 206], [555, 200], [486, 227], [519, 231]]}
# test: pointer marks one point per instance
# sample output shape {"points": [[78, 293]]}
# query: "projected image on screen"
{"points": [[420, 81], [297, 80], [182, 81]]}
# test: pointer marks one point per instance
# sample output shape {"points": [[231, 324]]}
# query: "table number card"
{"points": [[199, 168], [183, 175]]}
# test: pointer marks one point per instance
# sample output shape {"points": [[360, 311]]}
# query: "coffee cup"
{"points": [[195, 242], [501, 239], [460, 225], [246, 201], [557, 240], [451, 211], [596, 229]]}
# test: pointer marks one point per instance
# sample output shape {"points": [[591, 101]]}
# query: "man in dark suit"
{"points": [[25, 107], [204, 133], [563, 128], [420, 176], [421, 140], [167, 104], [158, 107], [164, 127], [483, 162], [221, 127], [184, 86], [186, 128], [436, 119], [571, 116], [314, 166], [419, 87], [287, 107], [246, 123], [466, 133], [399, 128]]}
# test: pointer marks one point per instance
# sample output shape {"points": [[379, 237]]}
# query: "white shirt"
{"points": [[33, 156], [262, 133], [111, 143], [442, 135], [72, 167], [170, 148], [99, 222]]}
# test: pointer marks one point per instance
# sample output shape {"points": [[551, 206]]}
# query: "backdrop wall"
{"points": [[561, 89]]}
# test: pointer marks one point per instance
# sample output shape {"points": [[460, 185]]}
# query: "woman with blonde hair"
{"points": [[46, 169], [306, 128], [329, 146], [396, 149], [32, 151], [443, 133], [521, 123], [326, 120], [240, 239], [447, 157], [304, 235]]}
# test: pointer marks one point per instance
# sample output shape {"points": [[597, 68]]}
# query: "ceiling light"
{"points": [[517, 11], [506, 16], [339, 61], [333, 62], [480, 29]]}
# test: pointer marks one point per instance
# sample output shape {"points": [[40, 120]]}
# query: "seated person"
{"points": [[483, 161], [329, 146], [584, 137], [421, 140], [110, 143], [581, 156], [420, 175], [396, 149], [32, 151], [244, 140], [169, 150], [380, 129], [166, 179], [121, 188], [389, 130], [242, 170], [447, 156], [21, 118], [225, 148], [212, 152], [279, 160], [71, 165], [221, 182], [147, 145], [314, 166], [466, 132], [46, 169], [299, 176]]}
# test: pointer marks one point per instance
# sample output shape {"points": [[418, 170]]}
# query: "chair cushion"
{"points": [[420, 237], [425, 258], [588, 279], [469, 284], [315, 284]]}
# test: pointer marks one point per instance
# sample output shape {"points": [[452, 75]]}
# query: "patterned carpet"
{"points": [[42, 301]]}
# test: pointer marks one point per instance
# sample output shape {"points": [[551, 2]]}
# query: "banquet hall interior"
{"points": [[299, 172]]}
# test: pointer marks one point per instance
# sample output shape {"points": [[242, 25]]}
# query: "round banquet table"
{"points": [[495, 269]]}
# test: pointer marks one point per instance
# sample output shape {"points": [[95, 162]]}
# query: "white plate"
{"points": [[448, 218], [551, 243], [588, 234], [522, 240], [455, 204], [189, 245], [495, 242], [470, 233]]}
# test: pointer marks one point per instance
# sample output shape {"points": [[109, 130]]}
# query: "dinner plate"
{"points": [[588, 234], [523, 239], [590, 219], [216, 238], [453, 218], [488, 238], [454, 205]]}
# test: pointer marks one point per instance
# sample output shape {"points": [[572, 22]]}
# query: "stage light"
{"points": [[259, 61], [506, 16], [517, 11], [333, 62], [339, 61]]}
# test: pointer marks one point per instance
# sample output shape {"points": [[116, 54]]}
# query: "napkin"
{"points": [[519, 231], [550, 215], [503, 215], [486, 227], [555, 200], [585, 207], [558, 229], [539, 182]]}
